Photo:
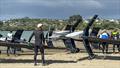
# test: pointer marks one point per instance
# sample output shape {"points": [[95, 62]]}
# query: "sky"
{"points": [[59, 9]]}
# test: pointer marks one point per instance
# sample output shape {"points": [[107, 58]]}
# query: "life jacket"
{"points": [[115, 35], [104, 36]]}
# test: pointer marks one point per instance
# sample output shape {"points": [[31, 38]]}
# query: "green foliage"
{"points": [[74, 18], [27, 23]]}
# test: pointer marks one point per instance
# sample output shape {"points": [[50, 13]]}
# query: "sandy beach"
{"points": [[58, 58]]}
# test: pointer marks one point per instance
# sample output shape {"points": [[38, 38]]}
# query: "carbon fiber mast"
{"points": [[75, 20], [17, 36], [85, 39]]}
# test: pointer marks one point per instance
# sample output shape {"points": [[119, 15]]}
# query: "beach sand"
{"points": [[59, 58]]}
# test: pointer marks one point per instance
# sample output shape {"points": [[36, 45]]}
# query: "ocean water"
{"points": [[25, 35]]}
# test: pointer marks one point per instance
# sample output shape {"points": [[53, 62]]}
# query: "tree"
{"points": [[74, 18], [1, 23]]}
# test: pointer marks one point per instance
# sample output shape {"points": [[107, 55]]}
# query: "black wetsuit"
{"points": [[39, 41]]}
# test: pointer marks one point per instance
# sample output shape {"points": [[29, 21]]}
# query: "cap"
{"points": [[39, 25]]}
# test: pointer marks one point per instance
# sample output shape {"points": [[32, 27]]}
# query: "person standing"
{"points": [[115, 36], [9, 39], [49, 40], [104, 35], [39, 43]]}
